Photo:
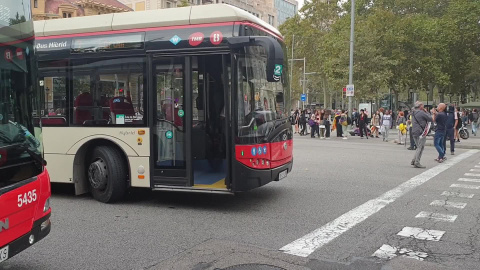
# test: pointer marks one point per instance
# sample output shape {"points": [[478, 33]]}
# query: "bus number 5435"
{"points": [[26, 198]]}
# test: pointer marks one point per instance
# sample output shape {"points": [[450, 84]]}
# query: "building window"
{"points": [[169, 5], [67, 15], [35, 3]]}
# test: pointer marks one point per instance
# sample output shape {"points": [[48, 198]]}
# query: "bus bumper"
{"points": [[247, 178], [38, 233]]}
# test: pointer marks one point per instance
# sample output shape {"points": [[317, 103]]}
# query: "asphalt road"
{"points": [[335, 182]]}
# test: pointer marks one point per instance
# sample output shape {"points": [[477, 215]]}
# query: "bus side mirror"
{"points": [[272, 47]]}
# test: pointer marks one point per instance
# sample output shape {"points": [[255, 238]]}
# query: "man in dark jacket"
{"points": [[450, 134], [362, 123]]}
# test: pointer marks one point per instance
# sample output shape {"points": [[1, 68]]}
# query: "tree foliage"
{"points": [[399, 45]]}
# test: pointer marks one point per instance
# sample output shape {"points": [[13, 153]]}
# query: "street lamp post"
{"points": [[352, 41], [291, 73]]}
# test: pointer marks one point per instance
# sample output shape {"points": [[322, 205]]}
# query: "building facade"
{"points": [[55, 9], [286, 9]]}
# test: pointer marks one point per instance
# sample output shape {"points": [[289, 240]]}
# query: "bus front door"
{"points": [[171, 131]]}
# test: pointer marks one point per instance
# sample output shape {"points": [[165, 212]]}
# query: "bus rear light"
{"points": [[46, 206], [141, 132], [141, 177]]}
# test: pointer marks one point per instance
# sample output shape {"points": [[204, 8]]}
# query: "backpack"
{"points": [[343, 121], [475, 117]]}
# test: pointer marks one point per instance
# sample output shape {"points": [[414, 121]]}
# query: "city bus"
{"points": [[24, 182], [182, 99]]}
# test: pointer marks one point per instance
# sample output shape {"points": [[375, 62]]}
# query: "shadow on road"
{"points": [[240, 202]]}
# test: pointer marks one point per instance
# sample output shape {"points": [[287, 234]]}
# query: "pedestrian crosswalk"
{"points": [[455, 199]]}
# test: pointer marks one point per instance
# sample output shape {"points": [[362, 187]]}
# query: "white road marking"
{"points": [[465, 186], [444, 203], [475, 170], [457, 194], [437, 216], [469, 180], [307, 244], [422, 234], [387, 252], [477, 166], [473, 174]]}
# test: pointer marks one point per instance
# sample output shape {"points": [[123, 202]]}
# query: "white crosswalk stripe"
{"points": [[457, 194], [473, 174], [474, 180], [445, 203], [388, 252], [464, 186], [475, 170], [437, 216], [421, 234]]}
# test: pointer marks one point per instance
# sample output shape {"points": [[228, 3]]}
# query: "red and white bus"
{"points": [[24, 182], [185, 99]]}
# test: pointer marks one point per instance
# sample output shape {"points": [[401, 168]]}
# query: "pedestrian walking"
{"points": [[314, 126], [420, 120], [386, 125], [409, 124], [321, 124], [440, 118], [337, 125], [475, 121], [355, 118], [401, 127], [362, 123], [450, 130], [458, 124], [296, 118], [303, 123], [344, 124], [375, 124], [327, 120]]}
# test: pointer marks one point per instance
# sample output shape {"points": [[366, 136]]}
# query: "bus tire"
{"points": [[107, 174]]}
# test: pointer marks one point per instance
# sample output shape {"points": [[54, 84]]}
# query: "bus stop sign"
{"points": [[303, 97]]}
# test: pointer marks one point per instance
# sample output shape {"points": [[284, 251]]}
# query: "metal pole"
{"points": [[291, 66], [352, 41], [304, 82]]}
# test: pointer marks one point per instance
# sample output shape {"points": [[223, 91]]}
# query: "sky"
{"points": [[300, 4]]}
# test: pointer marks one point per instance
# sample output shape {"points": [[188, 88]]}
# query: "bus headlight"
{"points": [[47, 205], [45, 224]]}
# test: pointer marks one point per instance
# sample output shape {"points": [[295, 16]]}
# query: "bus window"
{"points": [[55, 88], [259, 102], [109, 92]]}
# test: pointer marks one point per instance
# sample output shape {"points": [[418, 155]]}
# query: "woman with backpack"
{"points": [[314, 125]]}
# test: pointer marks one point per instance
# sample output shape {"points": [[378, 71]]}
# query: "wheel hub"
{"points": [[97, 174]]}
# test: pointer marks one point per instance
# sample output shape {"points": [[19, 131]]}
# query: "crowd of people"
{"points": [[445, 120]]}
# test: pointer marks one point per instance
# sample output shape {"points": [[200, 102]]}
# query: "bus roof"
{"points": [[204, 14]]}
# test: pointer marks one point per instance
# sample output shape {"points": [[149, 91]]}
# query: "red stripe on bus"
{"points": [[149, 29], [16, 41], [259, 27]]}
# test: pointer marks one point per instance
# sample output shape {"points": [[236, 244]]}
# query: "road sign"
{"points": [[350, 90], [303, 97]]}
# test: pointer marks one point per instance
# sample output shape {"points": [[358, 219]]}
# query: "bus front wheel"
{"points": [[107, 174]]}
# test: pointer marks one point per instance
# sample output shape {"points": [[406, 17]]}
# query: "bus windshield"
{"points": [[19, 148], [260, 104]]}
